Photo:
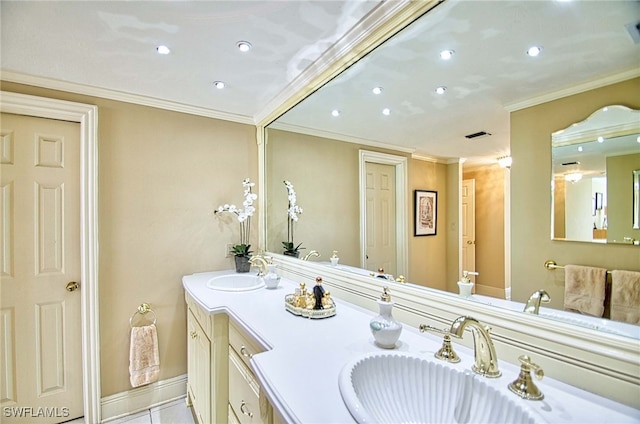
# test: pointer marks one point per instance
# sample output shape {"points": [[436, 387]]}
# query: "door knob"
{"points": [[72, 286]]}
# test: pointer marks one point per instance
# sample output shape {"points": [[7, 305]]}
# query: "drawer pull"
{"points": [[245, 352], [243, 409]]}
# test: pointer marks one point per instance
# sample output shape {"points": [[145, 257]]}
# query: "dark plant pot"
{"points": [[294, 254], [242, 264]]}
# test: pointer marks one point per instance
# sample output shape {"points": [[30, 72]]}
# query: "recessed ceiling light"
{"points": [[218, 84], [441, 89], [579, 148], [638, 139], [163, 50], [386, 111], [377, 90], [446, 54], [601, 139], [606, 108], [534, 51], [335, 112], [244, 46]]}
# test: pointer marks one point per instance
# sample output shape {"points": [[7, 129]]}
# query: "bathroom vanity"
{"points": [[250, 360]]}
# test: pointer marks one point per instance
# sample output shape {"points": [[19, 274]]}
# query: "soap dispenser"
{"points": [[334, 258], [385, 329], [271, 280], [465, 285]]}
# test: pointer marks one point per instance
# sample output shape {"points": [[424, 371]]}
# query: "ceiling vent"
{"points": [[571, 163], [477, 135]]}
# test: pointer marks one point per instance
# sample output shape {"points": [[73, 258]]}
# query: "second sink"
{"points": [[235, 282], [399, 387]]}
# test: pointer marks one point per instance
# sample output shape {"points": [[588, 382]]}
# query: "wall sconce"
{"points": [[573, 177], [505, 161]]}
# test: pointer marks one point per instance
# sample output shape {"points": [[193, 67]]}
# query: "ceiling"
{"points": [[489, 74], [111, 45]]}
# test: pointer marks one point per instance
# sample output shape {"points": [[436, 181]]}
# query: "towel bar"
{"points": [[143, 309], [551, 265]]}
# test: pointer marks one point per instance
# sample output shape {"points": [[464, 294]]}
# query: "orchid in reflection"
{"points": [[293, 213]]}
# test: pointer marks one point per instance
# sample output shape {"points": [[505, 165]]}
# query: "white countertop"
{"points": [[300, 350]]}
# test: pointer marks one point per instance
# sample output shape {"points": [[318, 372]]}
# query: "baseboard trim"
{"points": [[138, 399]]}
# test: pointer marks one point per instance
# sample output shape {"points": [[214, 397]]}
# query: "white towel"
{"points": [[584, 289], [625, 296], [144, 359]]}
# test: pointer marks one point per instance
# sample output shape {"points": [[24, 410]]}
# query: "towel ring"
{"points": [[143, 309]]}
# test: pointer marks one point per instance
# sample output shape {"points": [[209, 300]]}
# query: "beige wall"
{"points": [[161, 175], [531, 243], [428, 254], [489, 199], [620, 197], [324, 173]]}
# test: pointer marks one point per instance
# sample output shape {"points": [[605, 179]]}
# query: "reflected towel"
{"points": [[625, 296], [144, 359], [584, 289]]}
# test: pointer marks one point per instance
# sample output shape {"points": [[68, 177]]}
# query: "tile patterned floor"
{"points": [[175, 412]]}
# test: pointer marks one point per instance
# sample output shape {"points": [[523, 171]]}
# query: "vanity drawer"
{"points": [[243, 345], [244, 393], [200, 315]]}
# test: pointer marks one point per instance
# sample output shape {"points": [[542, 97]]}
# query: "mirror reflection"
{"points": [[593, 164], [389, 103]]}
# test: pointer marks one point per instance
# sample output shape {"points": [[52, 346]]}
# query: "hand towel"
{"points": [[584, 289], [144, 360], [625, 296]]}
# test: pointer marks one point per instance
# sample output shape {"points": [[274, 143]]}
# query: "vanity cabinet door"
{"points": [[199, 369], [245, 398], [247, 403]]}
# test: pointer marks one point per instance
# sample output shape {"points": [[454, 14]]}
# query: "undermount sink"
{"points": [[235, 282], [402, 388]]}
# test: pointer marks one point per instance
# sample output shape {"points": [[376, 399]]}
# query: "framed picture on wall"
{"points": [[425, 212]]}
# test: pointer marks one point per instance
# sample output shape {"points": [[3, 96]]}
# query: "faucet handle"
{"points": [[523, 386], [446, 352]]}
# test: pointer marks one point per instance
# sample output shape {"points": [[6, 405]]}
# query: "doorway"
{"points": [[86, 116], [397, 165]]}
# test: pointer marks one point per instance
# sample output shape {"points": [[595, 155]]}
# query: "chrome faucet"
{"points": [[261, 264], [310, 254], [533, 304], [486, 358]]}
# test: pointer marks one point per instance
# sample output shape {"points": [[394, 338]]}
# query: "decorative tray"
{"points": [[315, 304]]}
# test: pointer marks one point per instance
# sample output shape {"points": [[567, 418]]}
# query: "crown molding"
{"points": [[88, 90], [336, 136], [576, 89], [381, 23]]}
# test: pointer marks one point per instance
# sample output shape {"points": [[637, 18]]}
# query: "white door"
{"points": [[381, 217], [41, 346], [469, 226]]}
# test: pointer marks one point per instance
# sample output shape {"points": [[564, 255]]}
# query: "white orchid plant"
{"points": [[244, 218], [293, 212]]}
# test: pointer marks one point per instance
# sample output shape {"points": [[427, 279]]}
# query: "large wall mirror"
{"points": [[593, 177], [437, 96]]}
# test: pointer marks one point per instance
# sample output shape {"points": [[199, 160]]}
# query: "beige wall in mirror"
{"points": [[531, 201], [324, 173]]}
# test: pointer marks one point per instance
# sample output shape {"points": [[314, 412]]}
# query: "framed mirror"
{"points": [[316, 144], [594, 162]]}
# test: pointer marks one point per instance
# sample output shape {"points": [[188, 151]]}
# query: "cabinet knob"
{"points": [[194, 335], [245, 410], [245, 352]]}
